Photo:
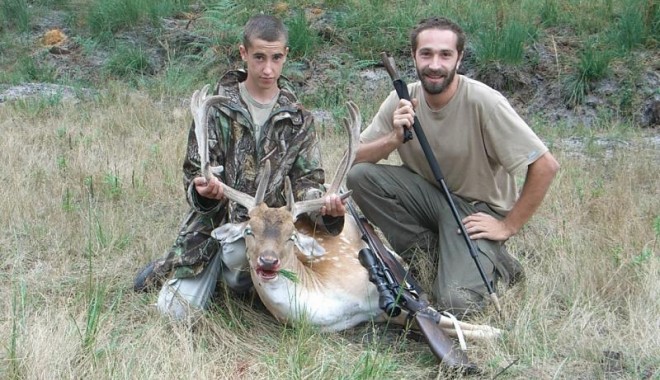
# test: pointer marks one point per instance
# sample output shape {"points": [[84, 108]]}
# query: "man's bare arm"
{"points": [[381, 148], [539, 177], [537, 182], [378, 149]]}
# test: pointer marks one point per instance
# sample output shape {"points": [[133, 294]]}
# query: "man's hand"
{"points": [[334, 206], [483, 226], [210, 190], [404, 117]]}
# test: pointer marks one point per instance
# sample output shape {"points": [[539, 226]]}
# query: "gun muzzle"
{"points": [[386, 300]]}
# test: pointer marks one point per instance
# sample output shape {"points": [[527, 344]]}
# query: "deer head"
{"points": [[270, 233]]}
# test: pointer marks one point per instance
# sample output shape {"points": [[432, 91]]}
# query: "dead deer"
{"points": [[301, 273]]}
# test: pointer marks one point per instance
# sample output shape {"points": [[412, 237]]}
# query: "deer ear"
{"points": [[308, 246], [228, 232]]}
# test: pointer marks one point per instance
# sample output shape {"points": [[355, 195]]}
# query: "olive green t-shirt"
{"points": [[259, 111], [480, 142]]}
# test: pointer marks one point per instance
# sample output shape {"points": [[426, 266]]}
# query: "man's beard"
{"points": [[436, 88]]}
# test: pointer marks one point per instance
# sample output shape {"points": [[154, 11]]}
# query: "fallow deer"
{"points": [[301, 273]]}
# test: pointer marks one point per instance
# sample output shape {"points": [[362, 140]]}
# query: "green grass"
{"points": [[593, 65], [370, 27], [500, 34], [129, 61], [15, 14], [105, 18], [505, 46], [304, 43]]}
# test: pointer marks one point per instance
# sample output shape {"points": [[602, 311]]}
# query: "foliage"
{"points": [[592, 66], [303, 41], [129, 60], [506, 45], [15, 14], [107, 17]]}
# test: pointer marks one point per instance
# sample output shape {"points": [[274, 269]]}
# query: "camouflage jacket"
{"points": [[288, 139]]}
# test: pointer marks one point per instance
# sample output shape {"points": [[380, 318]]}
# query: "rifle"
{"points": [[399, 291], [402, 90]]}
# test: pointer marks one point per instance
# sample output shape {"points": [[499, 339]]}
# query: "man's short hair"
{"points": [[264, 27], [441, 23]]}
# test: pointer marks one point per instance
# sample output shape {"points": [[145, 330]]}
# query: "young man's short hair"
{"points": [[264, 27]]}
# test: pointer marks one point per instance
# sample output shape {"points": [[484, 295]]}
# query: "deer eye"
{"points": [[293, 237], [248, 232]]}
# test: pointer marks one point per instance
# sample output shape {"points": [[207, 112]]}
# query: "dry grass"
{"points": [[92, 191]]}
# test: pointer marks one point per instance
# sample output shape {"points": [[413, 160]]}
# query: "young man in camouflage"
{"points": [[262, 120]]}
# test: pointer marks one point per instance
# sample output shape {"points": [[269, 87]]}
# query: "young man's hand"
{"points": [[210, 190]]}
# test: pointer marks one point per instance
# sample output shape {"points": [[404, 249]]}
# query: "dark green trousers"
{"points": [[414, 215]]}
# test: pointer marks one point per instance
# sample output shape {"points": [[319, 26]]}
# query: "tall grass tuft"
{"points": [[14, 14], [303, 41], [550, 13], [34, 69], [372, 26], [18, 309], [129, 61], [592, 66], [630, 30], [505, 46]]}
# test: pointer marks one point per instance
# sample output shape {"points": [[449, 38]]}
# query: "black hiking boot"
{"points": [[149, 277]]}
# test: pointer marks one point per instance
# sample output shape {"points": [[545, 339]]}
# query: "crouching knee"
{"points": [[356, 175], [176, 304]]}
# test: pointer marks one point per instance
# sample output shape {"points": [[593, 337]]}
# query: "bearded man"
{"points": [[480, 143]]}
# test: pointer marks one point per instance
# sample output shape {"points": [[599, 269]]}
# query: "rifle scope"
{"points": [[386, 300]]}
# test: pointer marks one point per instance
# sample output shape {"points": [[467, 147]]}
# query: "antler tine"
{"points": [[288, 192], [200, 104], [353, 127], [246, 200], [264, 177], [239, 197]]}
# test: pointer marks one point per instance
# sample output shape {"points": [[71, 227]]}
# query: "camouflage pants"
{"points": [[414, 215], [193, 250], [180, 297]]}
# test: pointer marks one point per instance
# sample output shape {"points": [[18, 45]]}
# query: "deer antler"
{"points": [[200, 104], [352, 127], [246, 200]]}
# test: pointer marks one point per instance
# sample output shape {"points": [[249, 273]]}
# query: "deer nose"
{"points": [[269, 262]]}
